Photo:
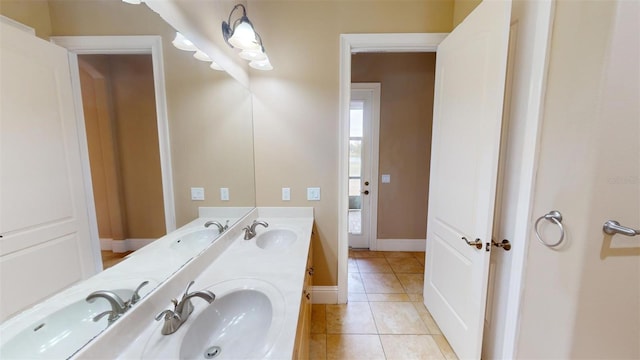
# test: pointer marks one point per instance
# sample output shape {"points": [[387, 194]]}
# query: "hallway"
{"points": [[385, 317]]}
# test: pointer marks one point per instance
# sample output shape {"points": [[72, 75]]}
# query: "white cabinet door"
{"points": [[45, 243], [469, 89]]}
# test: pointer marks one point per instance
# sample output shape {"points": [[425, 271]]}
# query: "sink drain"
{"points": [[212, 352]]}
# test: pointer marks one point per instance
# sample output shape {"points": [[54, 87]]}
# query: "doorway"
{"points": [[124, 45], [351, 44], [122, 136]]}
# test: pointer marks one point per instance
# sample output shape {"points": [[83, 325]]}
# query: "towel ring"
{"points": [[555, 217]]}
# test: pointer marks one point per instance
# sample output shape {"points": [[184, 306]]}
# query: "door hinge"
{"points": [[487, 247]]}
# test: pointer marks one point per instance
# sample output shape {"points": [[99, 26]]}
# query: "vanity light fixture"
{"points": [[240, 34], [134, 2]]}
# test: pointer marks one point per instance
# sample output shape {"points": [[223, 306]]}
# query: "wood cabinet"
{"points": [[303, 334]]}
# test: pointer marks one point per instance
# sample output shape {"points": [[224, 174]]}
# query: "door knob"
{"points": [[366, 183], [505, 244], [366, 192]]}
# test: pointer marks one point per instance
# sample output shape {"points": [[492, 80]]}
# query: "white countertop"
{"points": [[229, 260]]}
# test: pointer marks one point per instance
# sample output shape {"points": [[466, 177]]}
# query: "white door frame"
{"points": [[373, 89], [122, 45]]}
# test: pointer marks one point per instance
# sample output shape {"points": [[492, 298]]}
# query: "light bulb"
{"points": [[253, 55], [244, 37], [200, 55], [183, 43], [214, 65], [264, 65]]}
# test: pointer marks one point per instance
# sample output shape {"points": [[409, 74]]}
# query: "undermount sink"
{"points": [[61, 333], [195, 240], [234, 326], [277, 239], [243, 322]]}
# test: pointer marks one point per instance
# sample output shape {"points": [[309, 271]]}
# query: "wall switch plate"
{"points": [[224, 194], [286, 194], [313, 193], [197, 193], [386, 178]]}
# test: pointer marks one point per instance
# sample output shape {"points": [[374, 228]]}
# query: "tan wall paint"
{"points": [[462, 8], [33, 13], [204, 148], [406, 116], [296, 104], [137, 143]]}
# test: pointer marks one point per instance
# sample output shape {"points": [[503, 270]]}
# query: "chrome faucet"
{"points": [[250, 231], [173, 319], [220, 227], [118, 306]]}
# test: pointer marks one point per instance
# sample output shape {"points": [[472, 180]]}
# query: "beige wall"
{"points": [[462, 8], [33, 13], [137, 144], [296, 104], [204, 148], [582, 299], [406, 115]]}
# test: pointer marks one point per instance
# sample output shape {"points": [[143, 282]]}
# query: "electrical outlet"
{"points": [[224, 194], [286, 194], [197, 193], [313, 194]]}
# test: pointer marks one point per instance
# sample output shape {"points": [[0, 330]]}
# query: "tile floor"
{"points": [[385, 317]]}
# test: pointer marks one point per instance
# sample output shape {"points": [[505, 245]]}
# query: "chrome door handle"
{"points": [[612, 227], [477, 243]]}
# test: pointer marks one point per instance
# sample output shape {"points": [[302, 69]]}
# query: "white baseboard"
{"points": [[324, 294], [401, 245], [120, 246]]}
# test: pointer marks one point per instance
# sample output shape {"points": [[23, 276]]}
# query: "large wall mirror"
{"points": [[208, 144]]}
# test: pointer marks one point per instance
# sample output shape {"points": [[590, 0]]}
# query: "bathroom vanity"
{"points": [[262, 308]]}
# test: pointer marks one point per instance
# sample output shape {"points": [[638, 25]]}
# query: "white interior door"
{"points": [[363, 164], [44, 229], [469, 89]]}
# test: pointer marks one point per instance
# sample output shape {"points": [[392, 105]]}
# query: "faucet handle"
{"points": [[112, 316], [136, 294], [186, 291], [167, 315]]}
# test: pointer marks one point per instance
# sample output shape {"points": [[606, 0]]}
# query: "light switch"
{"points": [[286, 194], [313, 194], [224, 194], [197, 193], [386, 178]]}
